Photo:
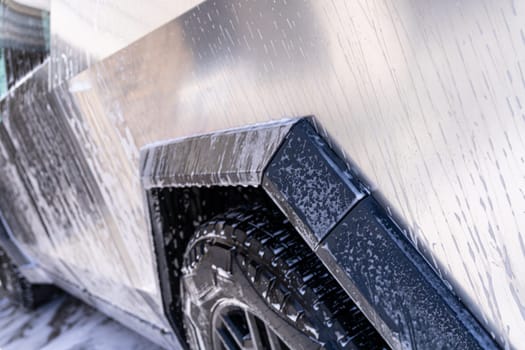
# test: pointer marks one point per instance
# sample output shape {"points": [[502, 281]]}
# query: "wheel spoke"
{"points": [[235, 333], [237, 328], [255, 335], [275, 343], [226, 339]]}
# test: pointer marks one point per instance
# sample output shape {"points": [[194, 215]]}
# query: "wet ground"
{"points": [[64, 324]]}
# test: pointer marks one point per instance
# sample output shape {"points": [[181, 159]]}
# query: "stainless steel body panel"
{"points": [[103, 256], [85, 32], [423, 97], [234, 157], [19, 215]]}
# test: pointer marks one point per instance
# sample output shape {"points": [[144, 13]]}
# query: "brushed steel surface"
{"points": [[234, 157], [425, 97], [96, 240], [85, 32]]}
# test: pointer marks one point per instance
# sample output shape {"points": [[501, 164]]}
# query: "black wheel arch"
{"points": [[191, 180]]}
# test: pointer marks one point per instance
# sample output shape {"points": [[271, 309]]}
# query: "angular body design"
{"points": [[419, 104]]}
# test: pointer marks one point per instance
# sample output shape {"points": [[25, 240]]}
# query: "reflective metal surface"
{"points": [[235, 157], [85, 32], [24, 41], [424, 97], [95, 242]]}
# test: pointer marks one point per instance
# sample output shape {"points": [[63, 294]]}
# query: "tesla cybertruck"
{"points": [[269, 174]]}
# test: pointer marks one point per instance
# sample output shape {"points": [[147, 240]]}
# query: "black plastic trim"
{"points": [[364, 248], [395, 287], [361, 245], [310, 183]]}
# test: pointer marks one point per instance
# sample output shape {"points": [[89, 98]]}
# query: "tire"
{"points": [[17, 288], [250, 282]]}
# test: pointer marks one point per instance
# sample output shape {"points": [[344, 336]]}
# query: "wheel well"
{"points": [[330, 209], [175, 214]]}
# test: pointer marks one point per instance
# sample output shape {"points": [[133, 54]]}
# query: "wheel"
{"points": [[17, 288], [250, 282]]}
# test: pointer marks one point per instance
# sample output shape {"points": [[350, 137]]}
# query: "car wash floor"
{"points": [[64, 323]]}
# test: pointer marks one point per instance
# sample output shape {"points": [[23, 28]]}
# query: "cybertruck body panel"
{"points": [[421, 100]]}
